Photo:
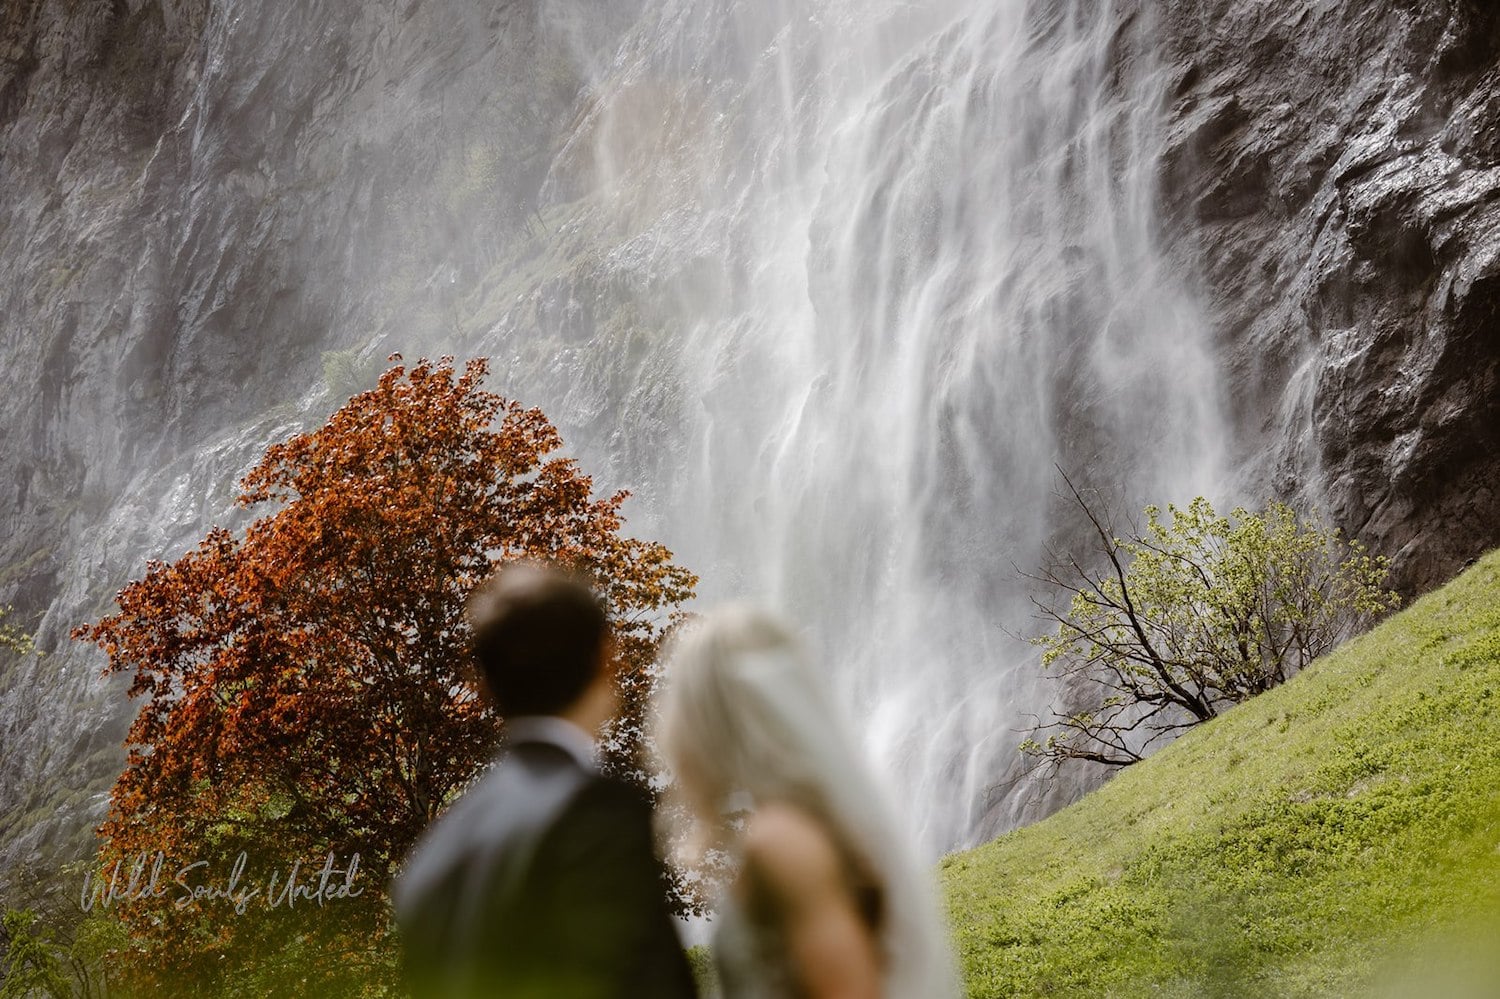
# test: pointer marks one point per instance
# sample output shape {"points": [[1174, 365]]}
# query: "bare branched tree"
{"points": [[1190, 616]]}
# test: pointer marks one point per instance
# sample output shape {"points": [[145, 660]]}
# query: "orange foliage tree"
{"points": [[307, 686]]}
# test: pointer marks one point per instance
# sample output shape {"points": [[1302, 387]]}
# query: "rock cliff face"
{"points": [[706, 213], [1334, 170], [199, 200]]}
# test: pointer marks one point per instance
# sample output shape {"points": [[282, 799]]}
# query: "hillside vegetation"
{"points": [[1337, 836]]}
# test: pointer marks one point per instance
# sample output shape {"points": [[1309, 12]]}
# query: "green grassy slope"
{"points": [[1338, 836]]}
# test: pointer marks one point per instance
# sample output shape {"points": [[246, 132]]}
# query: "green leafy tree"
{"points": [[14, 638], [45, 935], [1191, 616], [32, 964]]}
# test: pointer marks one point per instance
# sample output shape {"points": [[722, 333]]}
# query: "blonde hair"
{"points": [[743, 711]]}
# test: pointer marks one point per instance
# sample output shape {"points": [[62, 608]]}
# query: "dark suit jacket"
{"points": [[541, 881]]}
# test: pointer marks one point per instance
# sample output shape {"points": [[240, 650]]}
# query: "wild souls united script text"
{"points": [[193, 884]]}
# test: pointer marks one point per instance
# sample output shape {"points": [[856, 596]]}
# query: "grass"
{"points": [[1337, 836]]}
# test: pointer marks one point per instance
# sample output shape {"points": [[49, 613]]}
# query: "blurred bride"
{"points": [[827, 898]]}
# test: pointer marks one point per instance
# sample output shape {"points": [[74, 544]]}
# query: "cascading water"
{"points": [[937, 275], [830, 284]]}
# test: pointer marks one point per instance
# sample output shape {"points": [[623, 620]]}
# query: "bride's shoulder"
{"points": [[790, 848]]}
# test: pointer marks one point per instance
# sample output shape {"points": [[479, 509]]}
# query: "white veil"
{"points": [[744, 711]]}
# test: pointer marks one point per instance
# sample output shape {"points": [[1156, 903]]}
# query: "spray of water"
{"points": [[921, 268], [831, 284]]}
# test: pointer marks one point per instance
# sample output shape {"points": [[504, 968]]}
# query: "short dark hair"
{"points": [[537, 634]]}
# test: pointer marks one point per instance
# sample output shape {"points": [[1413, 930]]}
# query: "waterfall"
{"points": [[830, 285], [920, 266]]}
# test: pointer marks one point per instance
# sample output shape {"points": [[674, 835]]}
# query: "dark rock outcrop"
{"points": [[1333, 173]]}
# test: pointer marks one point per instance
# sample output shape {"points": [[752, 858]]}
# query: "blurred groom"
{"points": [[542, 880]]}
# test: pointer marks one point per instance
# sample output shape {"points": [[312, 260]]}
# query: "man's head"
{"points": [[540, 639]]}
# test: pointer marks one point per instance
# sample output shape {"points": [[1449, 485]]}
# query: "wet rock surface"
{"points": [[1333, 174], [199, 200]]}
